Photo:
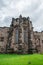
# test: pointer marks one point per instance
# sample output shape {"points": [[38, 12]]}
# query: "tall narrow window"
{"points": [[16, 36], [26, 35]]}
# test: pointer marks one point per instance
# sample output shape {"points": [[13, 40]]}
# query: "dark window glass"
{"points": [[42, 41], [16, 36], [26, 36], [1, 38]]}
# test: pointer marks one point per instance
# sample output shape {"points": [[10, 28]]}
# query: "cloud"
{"points": [[13, 8], [1, 4]]}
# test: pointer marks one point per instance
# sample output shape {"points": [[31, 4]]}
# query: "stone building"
{"points": [[20, 37]]}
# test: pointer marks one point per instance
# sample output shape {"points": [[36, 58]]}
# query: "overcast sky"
{"points": [[13, 8]]}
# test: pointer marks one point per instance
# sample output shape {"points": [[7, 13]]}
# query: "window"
{"points": [[35, 43], [7, 31], [1, 38], [42, 41], [16, 36], [26, 35]]}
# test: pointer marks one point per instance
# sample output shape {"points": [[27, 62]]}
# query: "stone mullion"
{"points": [[22, 35], [29, 40]]}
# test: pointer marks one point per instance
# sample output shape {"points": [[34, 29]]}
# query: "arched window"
{"points": [[16, 35], [26, 35]]}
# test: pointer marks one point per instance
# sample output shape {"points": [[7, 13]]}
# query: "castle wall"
{"points": [[3, 38], [38, 41], [20, 37]]}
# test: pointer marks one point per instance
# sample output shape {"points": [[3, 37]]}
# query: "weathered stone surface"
{"points": [[20, 37]]}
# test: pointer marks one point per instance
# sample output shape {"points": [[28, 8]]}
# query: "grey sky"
{"points": [[13, 8]]}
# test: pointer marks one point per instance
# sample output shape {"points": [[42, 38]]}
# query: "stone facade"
{"points": [[20, 37]]}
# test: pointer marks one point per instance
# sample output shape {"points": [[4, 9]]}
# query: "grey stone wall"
{"points": [[20, 37]]}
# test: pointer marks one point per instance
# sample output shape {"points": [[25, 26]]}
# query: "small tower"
{"points": [[20, 16]]}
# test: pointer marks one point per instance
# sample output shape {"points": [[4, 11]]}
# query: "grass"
{"points": [[14, 59]]}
